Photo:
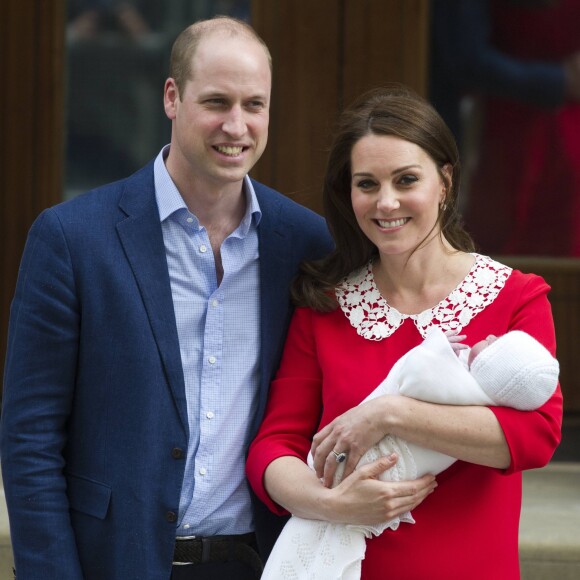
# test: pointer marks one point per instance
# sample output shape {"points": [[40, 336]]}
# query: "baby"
{"points": [[513, 370]]}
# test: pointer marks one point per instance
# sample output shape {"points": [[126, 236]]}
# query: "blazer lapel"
{"points": [[142, 240], [276, 272]]}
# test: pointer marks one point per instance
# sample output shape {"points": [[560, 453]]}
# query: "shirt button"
{"points": [[202, 471], [212, 360], [203, 249], [186, 527], [171, 517], [214, 303], [176, 453], [209, 415], [189, 220]]}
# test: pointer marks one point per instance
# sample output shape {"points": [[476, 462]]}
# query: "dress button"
{"points": [[171, 517], [176, 453]]}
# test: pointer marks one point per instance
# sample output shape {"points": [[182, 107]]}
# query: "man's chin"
{"points": [[233, 173]]}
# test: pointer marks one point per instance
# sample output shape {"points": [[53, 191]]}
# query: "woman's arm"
{"points": [[276, 466], [469, 433], [360, 499]]}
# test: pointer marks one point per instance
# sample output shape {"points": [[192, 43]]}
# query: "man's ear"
{"points": [[170, 98]]}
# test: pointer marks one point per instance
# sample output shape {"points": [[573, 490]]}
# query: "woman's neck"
{"points": [[415, 283]]}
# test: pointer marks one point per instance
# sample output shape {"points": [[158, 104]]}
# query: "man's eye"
{"points": [[256, 105]]}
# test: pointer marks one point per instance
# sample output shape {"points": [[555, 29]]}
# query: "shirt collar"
{"points": [[169, 200]]}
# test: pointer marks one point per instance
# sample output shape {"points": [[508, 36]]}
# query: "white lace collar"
{"points": [[374, 319]]}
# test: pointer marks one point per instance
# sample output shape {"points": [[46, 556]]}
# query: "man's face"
{"points": [[220, 124]]}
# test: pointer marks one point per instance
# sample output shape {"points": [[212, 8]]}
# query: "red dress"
{"points": [[468, 528], [524, 196]]}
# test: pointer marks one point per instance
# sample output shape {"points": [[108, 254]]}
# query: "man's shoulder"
{"points": [[108, 196]]}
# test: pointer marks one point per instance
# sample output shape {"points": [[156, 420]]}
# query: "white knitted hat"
{"points": [[516, 371]]}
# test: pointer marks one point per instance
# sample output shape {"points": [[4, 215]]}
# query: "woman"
{"points": [[402, 265]]}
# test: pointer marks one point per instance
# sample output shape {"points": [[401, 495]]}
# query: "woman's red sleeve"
{"points": [[294, 406], [533, 436]]}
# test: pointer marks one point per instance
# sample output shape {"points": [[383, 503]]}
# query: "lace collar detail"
{"points": [[372, 317]]}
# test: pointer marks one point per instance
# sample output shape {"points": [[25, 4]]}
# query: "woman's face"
{"points": [[396, 192]]}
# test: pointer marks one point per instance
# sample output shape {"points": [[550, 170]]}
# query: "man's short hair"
{"points": [[186, 44]]}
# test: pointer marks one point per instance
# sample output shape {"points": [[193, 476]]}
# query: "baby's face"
{"points": [[479, 346]]}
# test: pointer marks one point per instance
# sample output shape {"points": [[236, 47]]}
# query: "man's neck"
{"points": [[220, 213]]}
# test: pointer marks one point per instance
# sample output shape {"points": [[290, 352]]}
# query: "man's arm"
{"points": [[38, 391]]}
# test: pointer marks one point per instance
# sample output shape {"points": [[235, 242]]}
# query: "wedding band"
{"points": [[340, 457]]}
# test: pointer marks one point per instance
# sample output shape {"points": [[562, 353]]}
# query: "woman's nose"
{"points": [[388, 199]]}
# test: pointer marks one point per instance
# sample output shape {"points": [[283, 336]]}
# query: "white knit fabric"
{"points": [[522, 360], [316, 550]]}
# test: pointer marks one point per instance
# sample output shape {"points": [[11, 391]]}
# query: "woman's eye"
{"points": [[365, 184], [408, 179]]}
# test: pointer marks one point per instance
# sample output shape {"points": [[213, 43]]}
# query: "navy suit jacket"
{"points": [[94, 427]]}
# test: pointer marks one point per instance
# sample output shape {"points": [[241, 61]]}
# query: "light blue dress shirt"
{"points": [[219, 338]]}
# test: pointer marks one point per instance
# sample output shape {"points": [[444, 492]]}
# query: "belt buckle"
{"points": [[181, 539]]}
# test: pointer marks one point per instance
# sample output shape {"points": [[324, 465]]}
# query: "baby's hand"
{"points": [[455, 341]]}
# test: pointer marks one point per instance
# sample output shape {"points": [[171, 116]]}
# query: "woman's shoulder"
{"points": [[526, 282]]}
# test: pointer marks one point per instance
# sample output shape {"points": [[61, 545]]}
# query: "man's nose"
{"points": [[234, 124]]}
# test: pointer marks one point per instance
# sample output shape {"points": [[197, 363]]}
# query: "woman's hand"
{"points": [[364, 500], [352, 434], [361, 499]]}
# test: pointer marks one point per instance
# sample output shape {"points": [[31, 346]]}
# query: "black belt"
{"points": [[198, 550]]}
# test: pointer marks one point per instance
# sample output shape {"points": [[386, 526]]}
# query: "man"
{"points": [[147, 323]]}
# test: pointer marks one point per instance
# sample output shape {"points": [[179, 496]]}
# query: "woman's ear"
{"points": [[447, 177]]}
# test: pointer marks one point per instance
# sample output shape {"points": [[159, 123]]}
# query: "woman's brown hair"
{"points": [[396, 111]]}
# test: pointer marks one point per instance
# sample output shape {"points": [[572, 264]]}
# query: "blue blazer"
{"points": [[94, 428]]}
